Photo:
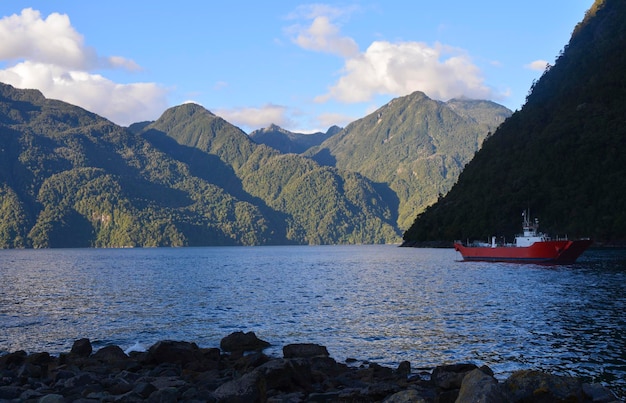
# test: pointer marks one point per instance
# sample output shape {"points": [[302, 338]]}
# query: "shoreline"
{"points": [[239, 371]]}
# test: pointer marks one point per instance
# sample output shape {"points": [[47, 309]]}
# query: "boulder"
{"points": [[405, 396], [110, 354], [598, 393], [174, 352], [287, 375], [240, 341], [404, 369], [180, 371], [249, 388], [532, 385], [304, 350], [450, 376], [39, 358], [479, 387], [12, 360], [81, 348]]}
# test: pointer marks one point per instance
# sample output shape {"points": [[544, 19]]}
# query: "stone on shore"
{"points": [[480, 387], [304, 350], [240, 341], [81, 348], [173, 371]]}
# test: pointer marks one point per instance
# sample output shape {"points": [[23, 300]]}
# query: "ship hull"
{"points": [[544, 252]]}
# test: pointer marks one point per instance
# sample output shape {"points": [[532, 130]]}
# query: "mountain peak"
{"points": [[189, 108], [29, 95], [274, 128]]}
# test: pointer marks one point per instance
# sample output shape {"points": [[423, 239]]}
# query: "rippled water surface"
{"points": [[379, 303]]}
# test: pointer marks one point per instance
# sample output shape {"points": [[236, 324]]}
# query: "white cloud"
{"points": [[53, 40], [122, 103], [256, 118], [387, 68], [538, 65], [49, 55], [322, 35], [400, 68]]}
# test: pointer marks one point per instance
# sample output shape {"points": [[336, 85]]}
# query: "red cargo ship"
{"points": [[530, 246]]}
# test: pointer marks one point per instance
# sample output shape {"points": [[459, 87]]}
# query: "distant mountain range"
{"points": [[289, 142], [563, 155], [69, 178], [414, 145]]}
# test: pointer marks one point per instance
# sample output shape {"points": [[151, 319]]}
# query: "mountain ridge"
{"points": [[286, 141], [188, 178], [561, 154], [415, 144]]}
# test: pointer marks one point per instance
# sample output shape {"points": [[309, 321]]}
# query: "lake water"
{"points": [[378, 303]]}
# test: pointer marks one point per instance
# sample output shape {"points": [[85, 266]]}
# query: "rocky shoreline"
{"points": [[239, 371]]}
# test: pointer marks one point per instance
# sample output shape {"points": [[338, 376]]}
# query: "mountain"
{"points": [[414, 145], [320, 205], [562, 155], [289, 142], [69, 178]]}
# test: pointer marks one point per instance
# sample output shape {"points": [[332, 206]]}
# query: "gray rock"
{"points": [[479, 387], [404, 369], [286, 375], [598, 393], [175, 352], [81, 348], [450, 376], [405, 396], [52, 398], [304, 350], [240, 341], [144, 389], [531, 385], [110, 354], [167, 395], [249, 388]]}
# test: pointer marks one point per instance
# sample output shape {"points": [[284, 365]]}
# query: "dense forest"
{"points": [[69, 178], [562, 155], [414, 145]]}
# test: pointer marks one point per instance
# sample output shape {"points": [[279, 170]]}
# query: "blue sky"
{"points": [[302, 66]]}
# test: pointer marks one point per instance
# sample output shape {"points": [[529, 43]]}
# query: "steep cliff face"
{"points": [[562, 154]]}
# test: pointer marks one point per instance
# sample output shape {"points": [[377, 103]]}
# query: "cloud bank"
{"points": [[49, 55], [387, 68]]}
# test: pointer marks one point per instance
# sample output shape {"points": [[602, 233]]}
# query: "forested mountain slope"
{"points": [[319, 204], [69, 178], [415, 145], [562, 155]]}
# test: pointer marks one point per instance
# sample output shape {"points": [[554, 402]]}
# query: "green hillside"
{"points": [[562, 155], [319, 205], [414, 145], [71, 178]]}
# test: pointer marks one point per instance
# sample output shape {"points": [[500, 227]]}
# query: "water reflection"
{"points": [[379, 303]]}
